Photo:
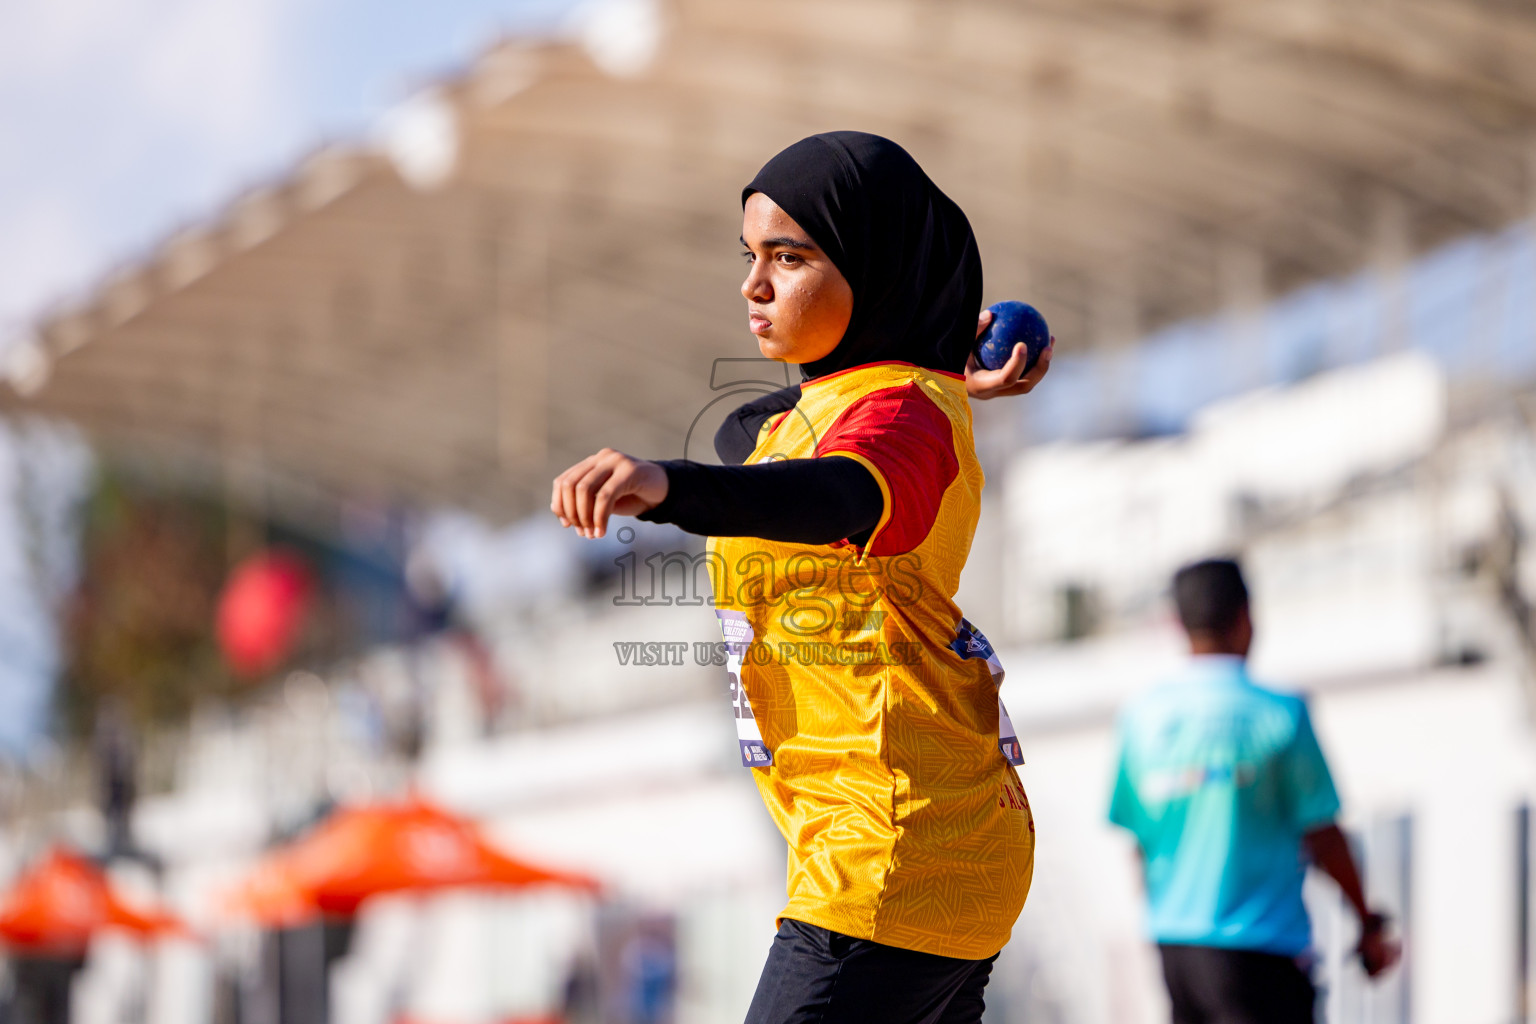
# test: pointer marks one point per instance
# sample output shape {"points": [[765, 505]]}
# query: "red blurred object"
{"points": [[365, 851], [262, 609], [56, 907]]}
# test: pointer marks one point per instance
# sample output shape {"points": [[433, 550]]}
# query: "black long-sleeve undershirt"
{"points": [[737, 436], [795, 501]]}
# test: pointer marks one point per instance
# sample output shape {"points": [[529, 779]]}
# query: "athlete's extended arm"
{"points": [[1330, 851], [796, 501]]}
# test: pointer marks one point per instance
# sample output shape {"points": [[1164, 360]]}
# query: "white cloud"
{"points": [[218, 66], [124, 117]]}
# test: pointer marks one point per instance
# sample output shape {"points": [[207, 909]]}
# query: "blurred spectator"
{"points": [[436, 614], [649, 967], [115, 775], [1226, 790]]}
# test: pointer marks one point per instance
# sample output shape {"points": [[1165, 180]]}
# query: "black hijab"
{"points": [[905, 248]]}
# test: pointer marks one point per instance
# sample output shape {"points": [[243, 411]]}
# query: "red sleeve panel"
{"points": [[909, 442]]}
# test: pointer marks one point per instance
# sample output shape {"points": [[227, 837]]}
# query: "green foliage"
{"points": [[140, 627]]}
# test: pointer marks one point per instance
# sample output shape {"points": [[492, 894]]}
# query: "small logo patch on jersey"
{"points": [[970, 643], [738, 638], [754, 754]]}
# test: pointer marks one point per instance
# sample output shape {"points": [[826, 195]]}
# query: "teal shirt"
{"points": [[1219, 779]]}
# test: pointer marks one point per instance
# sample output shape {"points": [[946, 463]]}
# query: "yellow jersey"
{"points": [[879, 757]]}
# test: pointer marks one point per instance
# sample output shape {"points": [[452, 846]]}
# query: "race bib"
{"points": [[970, 642], [738, 637]]}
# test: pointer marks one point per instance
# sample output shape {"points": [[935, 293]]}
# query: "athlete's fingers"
{"points": [[617, 465], [561, 492], [620, 482], [1012, 369], [565, 498], [565, 489], [982, 321], [603, 497], [982, 384], [1025, 384], [557, 499], [587, 487], [1039, 370], [555, 504]]}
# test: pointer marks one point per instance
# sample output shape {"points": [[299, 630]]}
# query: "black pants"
{"points": [[815, 976], [1236, 986]]}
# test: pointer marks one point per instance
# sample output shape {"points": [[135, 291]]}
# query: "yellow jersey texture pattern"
{"points": [[905, 824]]}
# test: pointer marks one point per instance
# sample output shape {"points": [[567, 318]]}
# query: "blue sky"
{"points": [[124, 119], [121, 120]]}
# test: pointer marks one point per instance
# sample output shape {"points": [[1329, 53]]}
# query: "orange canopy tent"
{"points": [[512, 1020], [57, 906], [364, 851]]}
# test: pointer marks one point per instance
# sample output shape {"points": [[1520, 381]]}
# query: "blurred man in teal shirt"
{"points": [[1229, 797]]}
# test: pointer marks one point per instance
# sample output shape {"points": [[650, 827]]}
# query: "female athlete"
{"points": [[867, 707]]}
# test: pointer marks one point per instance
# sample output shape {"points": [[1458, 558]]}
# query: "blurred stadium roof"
{"points": [[541, 259]]}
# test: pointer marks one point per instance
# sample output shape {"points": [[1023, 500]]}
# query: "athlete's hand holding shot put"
{"points": [[1006, 380], [866, 276]]}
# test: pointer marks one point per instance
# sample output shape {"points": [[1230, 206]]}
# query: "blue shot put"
{"points": [[1012, 323]]}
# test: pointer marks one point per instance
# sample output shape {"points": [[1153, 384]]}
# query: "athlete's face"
{"points": [[798, 303]]}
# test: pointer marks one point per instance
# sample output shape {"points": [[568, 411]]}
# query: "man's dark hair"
{"points": [[1210, 595]]}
